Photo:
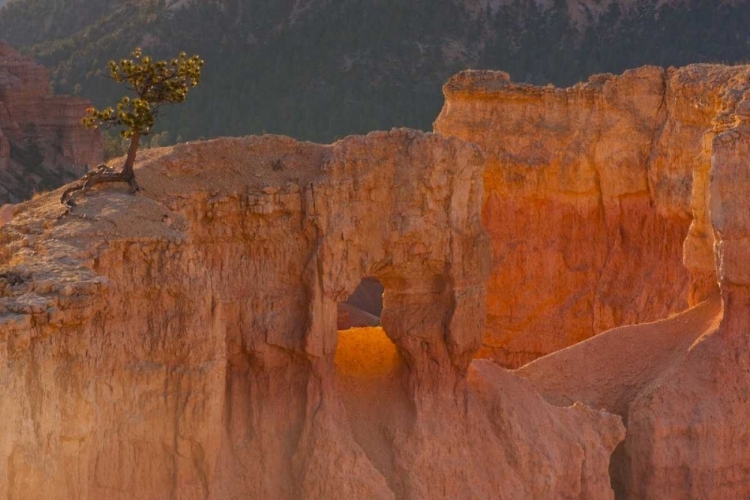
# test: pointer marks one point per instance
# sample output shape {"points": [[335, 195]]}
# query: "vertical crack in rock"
{"points": [[608, 239], [659, 126]]}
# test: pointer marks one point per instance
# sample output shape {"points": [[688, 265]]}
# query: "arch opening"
{"points": [[369, 377], [364, 307]]}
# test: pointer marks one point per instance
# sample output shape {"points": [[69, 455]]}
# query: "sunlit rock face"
{"points": [[637, 182], [42, 142], [680, 384], [594, 198], [182, 343]]}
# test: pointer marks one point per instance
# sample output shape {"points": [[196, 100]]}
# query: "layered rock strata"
{"points": [[590, 194], [182, 343], [42, 142]]}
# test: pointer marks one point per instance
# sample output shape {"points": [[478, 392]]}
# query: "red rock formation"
{"points": [[589, 194], [29, 113], [182, 342], [681, 384]]}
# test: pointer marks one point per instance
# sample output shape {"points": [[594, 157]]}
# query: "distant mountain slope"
{"points": [[320, 69]]}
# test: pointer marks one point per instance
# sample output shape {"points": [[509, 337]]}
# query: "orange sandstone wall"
{"points": [[681, 384], [589, 198], [182, 343]]}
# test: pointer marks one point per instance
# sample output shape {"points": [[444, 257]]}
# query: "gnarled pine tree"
{"points": [[154, 83]]}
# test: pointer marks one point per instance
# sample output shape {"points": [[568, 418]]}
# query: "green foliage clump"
{"points": [[155, 83]]}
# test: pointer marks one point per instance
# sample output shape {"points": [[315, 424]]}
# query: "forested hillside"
{"points": [[322, 69]]}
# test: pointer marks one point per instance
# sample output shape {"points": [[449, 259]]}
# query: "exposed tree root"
{"points": [[101, 175]]}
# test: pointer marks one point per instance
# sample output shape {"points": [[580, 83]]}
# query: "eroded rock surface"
{"points": [[182, 343], [590, 194], [681, 384], [42, 142]]}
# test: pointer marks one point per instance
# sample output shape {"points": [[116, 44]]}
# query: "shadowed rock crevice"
{"points": [[371, 379]]}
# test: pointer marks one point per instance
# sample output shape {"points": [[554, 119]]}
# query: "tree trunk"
{"points": [[105, 174], [127, 169]]}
